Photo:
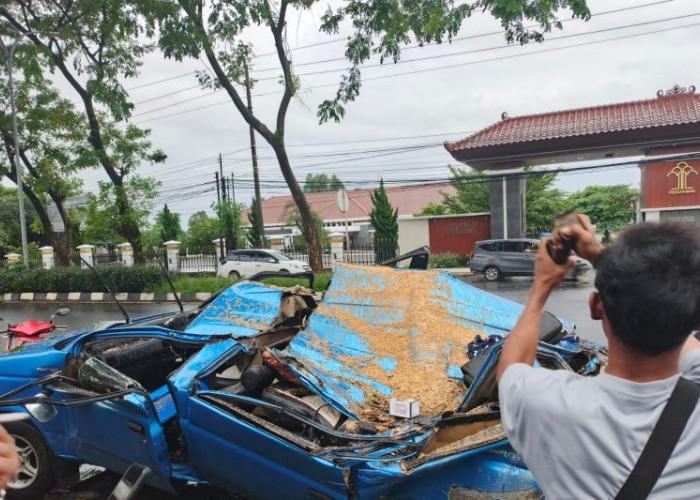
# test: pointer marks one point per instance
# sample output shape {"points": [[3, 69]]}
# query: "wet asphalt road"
{"points": [[569, 301]]}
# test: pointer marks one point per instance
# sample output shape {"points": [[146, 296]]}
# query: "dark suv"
{"points": [[513, 257]]}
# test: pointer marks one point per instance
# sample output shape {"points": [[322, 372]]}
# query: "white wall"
{"points": [[413, 233]]}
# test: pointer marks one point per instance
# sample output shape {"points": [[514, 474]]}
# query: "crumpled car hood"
{"points": [[242, 310], [382, 333]]}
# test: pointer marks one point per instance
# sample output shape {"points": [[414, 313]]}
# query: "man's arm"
{"points": [[521, 343]]}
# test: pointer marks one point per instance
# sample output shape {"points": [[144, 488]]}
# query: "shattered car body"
{"points": [[259, 393]]}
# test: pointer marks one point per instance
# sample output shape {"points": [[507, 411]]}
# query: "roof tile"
{"points": [[677, 106]]}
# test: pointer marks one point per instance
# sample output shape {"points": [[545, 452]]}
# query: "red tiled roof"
{"points": [[676, 107], [407, 199]]}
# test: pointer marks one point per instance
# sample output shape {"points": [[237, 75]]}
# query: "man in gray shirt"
{"points": [[582, 436]]}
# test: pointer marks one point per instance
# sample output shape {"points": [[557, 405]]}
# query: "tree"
{"points": [[292, 218], [317, 183], [9, 219], [252, 234], [230, 219], [103, 221], [385, 221], [543, 201], [202, 230], [215, 29], [53, 148], [609, 207], [92, 43], [168, 224], [473, 190]]}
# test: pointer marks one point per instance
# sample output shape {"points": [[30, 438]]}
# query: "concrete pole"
{"points": [[86, 254], [9, 54]]}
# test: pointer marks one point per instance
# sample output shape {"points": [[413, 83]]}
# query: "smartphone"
{"points": [[560, 253], [130, 483]]}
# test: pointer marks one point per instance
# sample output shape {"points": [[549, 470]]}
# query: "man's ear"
{"points": [[596, 305]]}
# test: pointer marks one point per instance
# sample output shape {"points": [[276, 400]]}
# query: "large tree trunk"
{"points": [[308, 227], [64, 248]]}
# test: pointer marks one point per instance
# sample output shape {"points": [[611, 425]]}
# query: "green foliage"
{"points": [[75, 279], [385, 221], [193, 284], [383, 28], [105, 221], [230, 218], [609, 207], [433, 209], [473, 192], [168, 224], [253, 234], [447, 260], [10, 235], [292, 218], [202, 230], [543, 202], [317, 183]]}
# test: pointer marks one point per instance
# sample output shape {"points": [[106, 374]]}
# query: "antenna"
{"points": [[109, 289]]}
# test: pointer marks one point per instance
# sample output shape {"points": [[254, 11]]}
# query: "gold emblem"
{"points": [[682, 171]]}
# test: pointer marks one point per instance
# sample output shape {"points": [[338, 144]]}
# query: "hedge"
{"points": [[14, 279], [447, 260]]}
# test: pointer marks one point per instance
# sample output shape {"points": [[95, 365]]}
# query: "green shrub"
{"points": [[75, 279], [447, 260]]}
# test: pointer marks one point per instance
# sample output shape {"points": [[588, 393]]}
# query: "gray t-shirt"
{"points": [[581, 436]]}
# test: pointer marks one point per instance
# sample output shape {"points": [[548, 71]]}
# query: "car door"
{"points": [[248, 263], [258, 463], [265, 262], [510, 256], [114, 434]]}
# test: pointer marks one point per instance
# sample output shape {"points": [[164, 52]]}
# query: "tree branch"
{"points": [[286, 64], [242, 108]]}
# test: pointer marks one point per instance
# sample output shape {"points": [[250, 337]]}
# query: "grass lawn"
{"points": [[211, 284]]}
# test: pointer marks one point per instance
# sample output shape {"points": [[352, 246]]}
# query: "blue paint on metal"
{"points": [[242, 310]]}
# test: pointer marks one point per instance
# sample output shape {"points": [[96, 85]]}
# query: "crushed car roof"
{"points": [[382, 333]]}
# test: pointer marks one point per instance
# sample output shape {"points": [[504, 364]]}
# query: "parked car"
{"points": [[513, 257], [261, 393], [246, 263]]}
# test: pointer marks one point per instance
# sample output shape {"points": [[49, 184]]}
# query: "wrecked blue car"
{"points": [[265, 391]]}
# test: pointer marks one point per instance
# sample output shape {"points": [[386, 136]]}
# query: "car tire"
{"points": [[492, 273], [36, 476], [234, 275]]}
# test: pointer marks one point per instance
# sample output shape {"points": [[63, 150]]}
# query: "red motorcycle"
{"points": [[30, 330]]}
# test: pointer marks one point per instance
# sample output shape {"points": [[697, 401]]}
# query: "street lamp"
{"points": [[9, 53]]}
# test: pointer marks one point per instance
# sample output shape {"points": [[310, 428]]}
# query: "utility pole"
{"points": [[9, 54], [254, 153], [231, 243], [233, 188], [218, 201]]}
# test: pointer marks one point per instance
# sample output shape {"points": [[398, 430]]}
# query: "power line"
{"points": [[345, 39], [450, 66], [474, 51]]}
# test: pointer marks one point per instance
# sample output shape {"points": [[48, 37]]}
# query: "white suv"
{"points": [[246, 263]]}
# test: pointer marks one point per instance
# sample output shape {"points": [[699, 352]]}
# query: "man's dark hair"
{"points": [[650, 285]]}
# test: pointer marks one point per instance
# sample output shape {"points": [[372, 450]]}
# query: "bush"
{"points": [[447, 260], [75, 279]]}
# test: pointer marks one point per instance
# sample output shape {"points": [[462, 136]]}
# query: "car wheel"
{"points": [[284, 271], [35, 476], [234, 275], [492, 273]]}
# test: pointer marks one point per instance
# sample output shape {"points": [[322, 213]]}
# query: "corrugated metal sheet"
{"points": [[242, 310], [320, 353]]}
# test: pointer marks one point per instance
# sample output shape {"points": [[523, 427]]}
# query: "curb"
{"points": [[101, 297]]}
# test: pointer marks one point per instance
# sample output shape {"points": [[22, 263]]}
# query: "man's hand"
{"points": [[9, 460], [586, 244], [548, 274]]}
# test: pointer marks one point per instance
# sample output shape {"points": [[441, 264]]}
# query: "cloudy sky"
{"points": [[405, 112]]}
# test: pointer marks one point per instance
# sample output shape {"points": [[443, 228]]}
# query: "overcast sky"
{"points": [[446, 99]]}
